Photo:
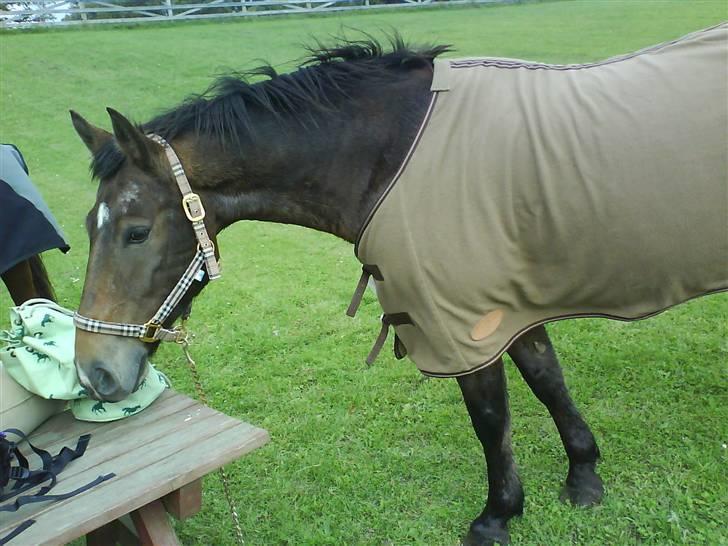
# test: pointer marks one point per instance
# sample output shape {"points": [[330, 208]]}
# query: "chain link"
{"points": [[184, 342]]}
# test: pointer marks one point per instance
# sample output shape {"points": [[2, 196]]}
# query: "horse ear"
{"points": [[133, 142], [93, 137]]}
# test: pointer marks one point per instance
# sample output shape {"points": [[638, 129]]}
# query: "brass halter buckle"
{"points": [[190, 201], [151, 329]]}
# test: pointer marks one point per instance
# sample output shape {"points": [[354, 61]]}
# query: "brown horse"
{"points": [[28, 279], [317, 147]]}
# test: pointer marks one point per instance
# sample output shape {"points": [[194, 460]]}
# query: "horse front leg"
{"points": [[535, 358], [19, 281], [486, 398]]}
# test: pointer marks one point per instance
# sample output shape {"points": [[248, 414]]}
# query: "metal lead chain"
{"points": [[184, 342]]}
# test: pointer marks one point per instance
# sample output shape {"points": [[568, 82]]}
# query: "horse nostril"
{"points": [[103, 381]]}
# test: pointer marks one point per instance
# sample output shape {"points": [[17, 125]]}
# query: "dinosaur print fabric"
{"points": [[38, 352]]}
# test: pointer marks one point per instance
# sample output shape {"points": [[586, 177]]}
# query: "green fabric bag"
{"points": [[38, 353]]}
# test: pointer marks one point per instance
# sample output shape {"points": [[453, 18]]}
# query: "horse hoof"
{"points": [[583, 487], [487, 534]]}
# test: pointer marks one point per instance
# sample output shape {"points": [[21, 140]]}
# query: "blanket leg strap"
{"points": [[367, 271], [392, 319]]}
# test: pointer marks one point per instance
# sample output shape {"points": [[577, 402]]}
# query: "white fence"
{"points": [[14, 14]]}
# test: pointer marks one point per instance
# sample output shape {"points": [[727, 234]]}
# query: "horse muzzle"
{"points": [[114, 370]]}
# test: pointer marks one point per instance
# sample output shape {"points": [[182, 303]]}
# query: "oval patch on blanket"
{"points": [[487, 325]]}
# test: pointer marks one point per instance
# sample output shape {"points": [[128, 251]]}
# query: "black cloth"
{"points": [[27, 226]]}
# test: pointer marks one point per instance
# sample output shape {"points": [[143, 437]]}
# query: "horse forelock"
{"points": [[107, 161]]}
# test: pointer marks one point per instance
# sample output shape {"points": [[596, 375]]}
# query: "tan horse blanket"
{"points": [[538, 192]]}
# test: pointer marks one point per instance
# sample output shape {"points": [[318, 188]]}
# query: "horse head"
{"points": [[141, 243]]}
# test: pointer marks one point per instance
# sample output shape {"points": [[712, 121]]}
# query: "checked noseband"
{"points": [[153, 329]]}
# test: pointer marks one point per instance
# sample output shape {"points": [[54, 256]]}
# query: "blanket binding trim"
{"points": [[506, 63], [566, 317]]}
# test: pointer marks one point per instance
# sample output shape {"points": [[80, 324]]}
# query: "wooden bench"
{"points": [[159, 457]]}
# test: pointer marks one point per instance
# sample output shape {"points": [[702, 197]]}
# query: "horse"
{"points": [[319, 147], [28, 279]]}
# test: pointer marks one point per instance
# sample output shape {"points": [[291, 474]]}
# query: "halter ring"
{"points": [[151, 330]]}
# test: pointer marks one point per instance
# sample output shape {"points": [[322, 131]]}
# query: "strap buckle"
{"points": [[190, 201], [151, 329]]}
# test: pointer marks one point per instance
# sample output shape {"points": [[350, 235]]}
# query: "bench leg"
{"points": [[112, 533], [153, 525], [185, 501], [103, 536]]}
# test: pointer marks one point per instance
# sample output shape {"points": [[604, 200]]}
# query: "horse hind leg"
{"points": [[486, 399], [536, 359]]}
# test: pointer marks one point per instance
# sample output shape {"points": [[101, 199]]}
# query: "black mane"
{"points": [[326, 76]]}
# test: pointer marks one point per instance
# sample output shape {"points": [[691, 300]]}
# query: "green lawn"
{"points": [[383, 455]]}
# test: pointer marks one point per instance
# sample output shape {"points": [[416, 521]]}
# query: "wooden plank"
{"points": [[186, 501], [135, 449], [165, 476], [153, 526], [130, 491], [150, 461], [105, 438], [112, 442], [64, 428]]}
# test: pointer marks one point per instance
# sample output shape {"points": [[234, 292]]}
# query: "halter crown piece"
{"points": [[153, 330]]}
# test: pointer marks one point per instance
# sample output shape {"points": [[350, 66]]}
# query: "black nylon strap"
{"points": [[41, 496], [15, 532], [66, 455], [32, 479], [26, 479], [52, 465]]}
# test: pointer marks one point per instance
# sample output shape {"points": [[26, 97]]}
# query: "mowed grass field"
{"points": [[382, 455]]}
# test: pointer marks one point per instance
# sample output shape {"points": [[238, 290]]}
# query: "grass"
{"points": [[383, 456]]}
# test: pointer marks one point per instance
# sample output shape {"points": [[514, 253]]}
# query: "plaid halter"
{"points": [[152, 330]]}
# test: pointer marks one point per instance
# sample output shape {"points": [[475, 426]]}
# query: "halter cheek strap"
{"points": [[153, 330], [192, 206]]}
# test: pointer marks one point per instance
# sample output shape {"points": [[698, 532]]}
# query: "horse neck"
{"points": [[325, 174]]}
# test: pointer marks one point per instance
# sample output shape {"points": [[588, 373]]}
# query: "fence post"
{"points": [[170, 13], [84, 16]]}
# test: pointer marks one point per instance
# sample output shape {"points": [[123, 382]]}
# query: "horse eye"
{"points": [[137, 235]]}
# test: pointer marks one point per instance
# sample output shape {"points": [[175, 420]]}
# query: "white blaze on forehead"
{"points": [[102, 215]]}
